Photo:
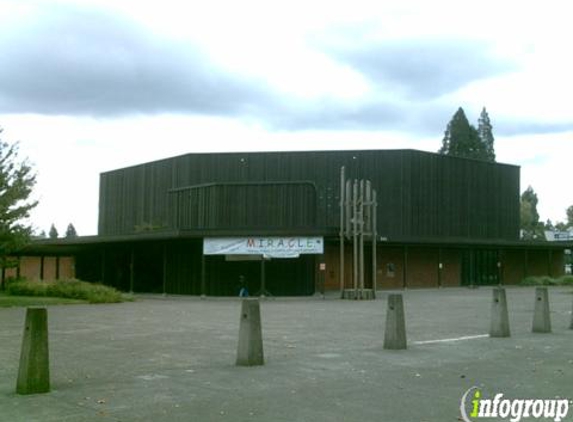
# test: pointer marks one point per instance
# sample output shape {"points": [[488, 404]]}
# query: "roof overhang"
{"points": [[70, 246]]}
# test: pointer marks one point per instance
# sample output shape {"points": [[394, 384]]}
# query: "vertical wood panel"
{"points": [[420, 194]]}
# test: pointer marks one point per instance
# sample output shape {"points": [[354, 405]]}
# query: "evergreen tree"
{"points": [[71, 231], [486, 134], [462, 139], [53, 232], [531, 227], [16, 183]]}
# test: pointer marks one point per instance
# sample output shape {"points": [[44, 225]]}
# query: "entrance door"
{"points": [[479, 267]]}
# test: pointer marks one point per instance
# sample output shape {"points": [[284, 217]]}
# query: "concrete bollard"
{"points": [[499, 326], [34, 371], [541, 317], [395, 335], [250, 349]]}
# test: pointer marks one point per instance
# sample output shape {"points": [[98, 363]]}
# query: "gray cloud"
{"points": [[375, 113], [407, 78], [81, 61], [324, 115], [512, 127], [78, 61], [423, 69]]}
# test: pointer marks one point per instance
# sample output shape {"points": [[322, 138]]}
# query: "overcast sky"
{"points": [[90, 86]]}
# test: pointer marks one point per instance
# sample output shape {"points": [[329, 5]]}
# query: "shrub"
{"points": [[547, 281], [531, 281], [23, 287], [566, 280], [71, 289]]}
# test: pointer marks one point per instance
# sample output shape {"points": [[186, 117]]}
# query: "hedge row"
{"points": [[566, 280], [69, 288]]}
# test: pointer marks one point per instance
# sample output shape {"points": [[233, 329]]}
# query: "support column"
{"points": [[348, 228], [42, 267], [102, 269], [342, 234], [355, 238], [405, 268], [440, 267], [263, 278], [322, 276], [571, 323], [472, 271], [203, 277], [131, 271], [164, 275], [361, 240], [500, 266], [374, 252]]}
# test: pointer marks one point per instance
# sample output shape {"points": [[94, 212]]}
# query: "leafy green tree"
{"points": [[53, 232], [462, 139], [16, 182], [485, 132], [569, 213], [567, 225], [41, 235], [531, 227], [71, 231]]}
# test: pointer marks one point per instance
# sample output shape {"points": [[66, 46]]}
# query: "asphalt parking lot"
{"points": [[173, 359]]}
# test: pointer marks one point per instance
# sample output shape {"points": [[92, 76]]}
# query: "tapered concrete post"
{"points": [[541, 317], [250, 349], [499, 326], [34, 371], [395, 335]]}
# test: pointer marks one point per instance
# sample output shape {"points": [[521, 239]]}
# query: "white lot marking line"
{"points": [[449, 340]]}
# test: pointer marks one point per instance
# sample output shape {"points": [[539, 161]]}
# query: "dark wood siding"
{"points": [[245, 205], [420, 194]]}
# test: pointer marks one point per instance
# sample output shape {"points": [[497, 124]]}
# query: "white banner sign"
{"points": [[283, 247]]}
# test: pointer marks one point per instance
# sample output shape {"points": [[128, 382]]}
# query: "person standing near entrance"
{"points": [[243, 291]]}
